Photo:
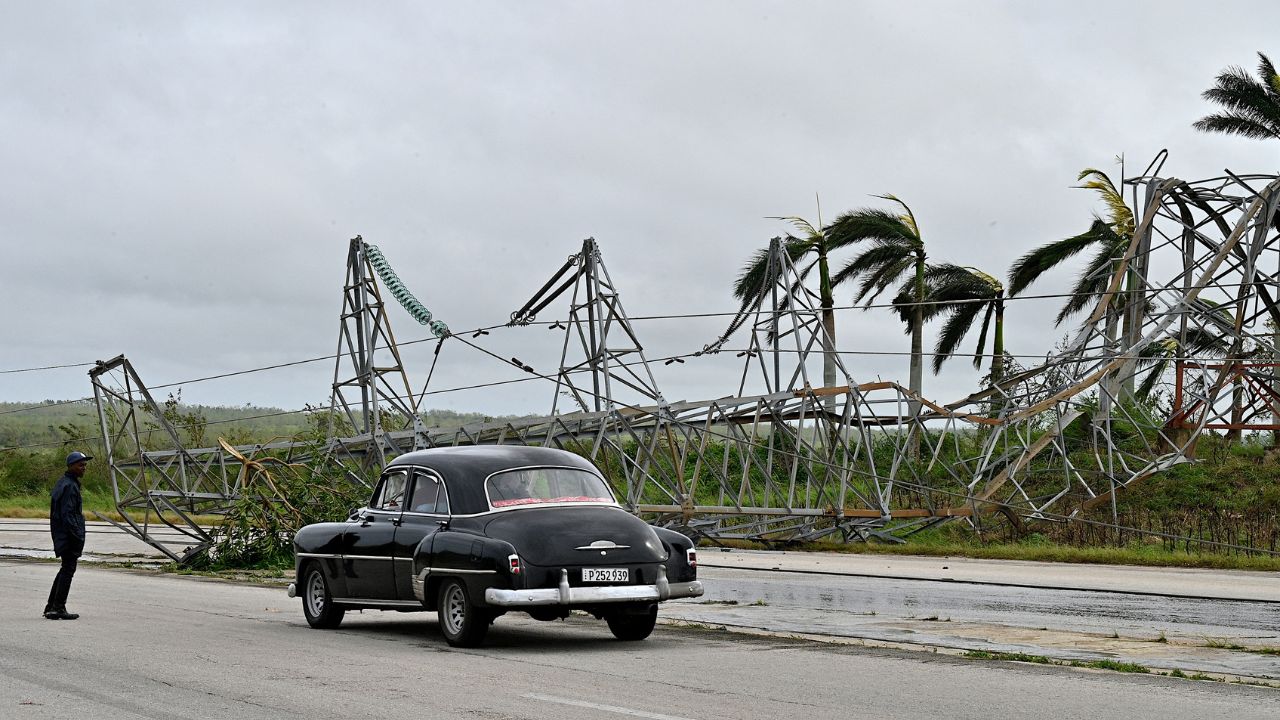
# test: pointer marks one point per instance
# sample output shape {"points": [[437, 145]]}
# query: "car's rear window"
{"points": [[536, 486]]}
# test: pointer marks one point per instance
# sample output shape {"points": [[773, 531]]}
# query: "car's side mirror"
{"points": [[355, 513]]}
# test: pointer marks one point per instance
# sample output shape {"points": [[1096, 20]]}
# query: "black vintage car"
{"points": [[473, 532]]}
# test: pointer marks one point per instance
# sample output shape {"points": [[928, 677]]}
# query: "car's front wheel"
{"points": [[461, 622], [632, 624], [317, 603]]}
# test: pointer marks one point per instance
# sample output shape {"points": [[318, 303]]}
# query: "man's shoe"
{"points": [[64, 615], [52, 615]]}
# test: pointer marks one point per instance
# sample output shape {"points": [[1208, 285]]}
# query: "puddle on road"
{"points": [[27, 554], [989, 637]]}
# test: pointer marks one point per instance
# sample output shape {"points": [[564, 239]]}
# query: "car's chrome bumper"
{"points": [[565, 595]]}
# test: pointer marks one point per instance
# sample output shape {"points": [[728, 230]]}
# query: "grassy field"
{"points": [[1221, 512], [947, 542]]}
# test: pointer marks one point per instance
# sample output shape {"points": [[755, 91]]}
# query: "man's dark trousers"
{"points": [[62, 583]]}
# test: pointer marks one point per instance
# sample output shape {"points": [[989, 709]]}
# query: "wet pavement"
{"points": [[1222, 623], [1194, 621], [104, 543]]}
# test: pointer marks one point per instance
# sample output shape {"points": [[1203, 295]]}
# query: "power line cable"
{"points": [[45, 367]]}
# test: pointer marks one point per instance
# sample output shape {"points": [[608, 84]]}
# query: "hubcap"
{"points": [[454, 609], [315, 593]]}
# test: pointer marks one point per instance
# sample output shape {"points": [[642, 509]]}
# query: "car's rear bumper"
{"points": [[566, 595]]}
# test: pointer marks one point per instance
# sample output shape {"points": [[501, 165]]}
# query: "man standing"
{"points": [[66, 523]]}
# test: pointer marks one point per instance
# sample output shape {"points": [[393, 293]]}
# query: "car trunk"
{"points": [[551, 536]]}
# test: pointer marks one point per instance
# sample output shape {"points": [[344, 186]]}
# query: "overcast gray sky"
{"points": [[181, 180]]}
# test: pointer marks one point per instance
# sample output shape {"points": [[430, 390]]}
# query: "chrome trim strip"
{"points": [[371, 601], [591, 595], [603, 545], [512, 508], [353, 557], [462, 571]]}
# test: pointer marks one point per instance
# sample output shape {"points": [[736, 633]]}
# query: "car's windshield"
{"points": [[531, 486]]}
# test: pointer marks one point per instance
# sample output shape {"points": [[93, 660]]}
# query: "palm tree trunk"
{"points": [[1237, 407], [828, 322], [829, 352], [1109, 382], [1275, 381], [827, 298], [997, 343], [917, 354]]}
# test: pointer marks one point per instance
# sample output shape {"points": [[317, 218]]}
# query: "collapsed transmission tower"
{"points": [[603, 333], [369, 378], [1190, 309]]}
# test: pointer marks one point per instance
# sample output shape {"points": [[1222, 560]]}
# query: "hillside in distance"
{"points": [[53, 423]]}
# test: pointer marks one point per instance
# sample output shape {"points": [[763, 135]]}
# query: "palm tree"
{"points": [[962, 293], [1158, 355], [896, 253], [1250, 107], [1110, 238], [755, 280]]}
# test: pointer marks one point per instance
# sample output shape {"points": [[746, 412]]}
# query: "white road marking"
{"points": [[606, 708]]}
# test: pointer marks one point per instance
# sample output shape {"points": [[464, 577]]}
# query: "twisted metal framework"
{"points": [[603, 333], [369, 379], [1201, 264], [155, 481], [801, 462]]}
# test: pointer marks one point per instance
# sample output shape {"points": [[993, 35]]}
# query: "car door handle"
{"points": [[397, 522]]}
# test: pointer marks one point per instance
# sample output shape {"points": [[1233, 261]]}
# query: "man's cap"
{"points": [[76, 457]]}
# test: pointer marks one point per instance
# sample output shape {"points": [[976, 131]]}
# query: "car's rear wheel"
{"points": [[461, 622], [317, 602], [632, 624]]}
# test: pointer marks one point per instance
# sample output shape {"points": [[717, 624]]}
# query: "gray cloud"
{"points": [[181, 181]]}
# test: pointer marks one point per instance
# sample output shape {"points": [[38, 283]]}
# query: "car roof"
{"points": [[464, 468]]}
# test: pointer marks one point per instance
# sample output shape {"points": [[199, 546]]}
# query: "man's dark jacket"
{"points": [[66, 517]]}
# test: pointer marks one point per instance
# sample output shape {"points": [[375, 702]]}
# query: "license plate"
{"points": [[606, 575]]}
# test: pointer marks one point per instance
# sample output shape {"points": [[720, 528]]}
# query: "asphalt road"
{"points": [[181, 647], [1221, 622]]}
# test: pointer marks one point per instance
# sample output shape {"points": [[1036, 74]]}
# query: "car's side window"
{"points": [[429, 495], [391, 494]]}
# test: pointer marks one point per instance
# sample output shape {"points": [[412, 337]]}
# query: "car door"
{"points": [[368, 542], [426, 512]]}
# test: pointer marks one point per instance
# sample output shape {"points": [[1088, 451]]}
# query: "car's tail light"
{"points": [[513, 563], [692, 556]]}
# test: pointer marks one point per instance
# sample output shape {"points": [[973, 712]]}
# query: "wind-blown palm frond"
{"points": [[1028, 268], [881, 266], [873, 224], [896, 253], [961, 293], [1251, 107], [807, 251], [754, 277], [1159, 354], [1121, 216], [1110, 237], [1092, 281]]}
